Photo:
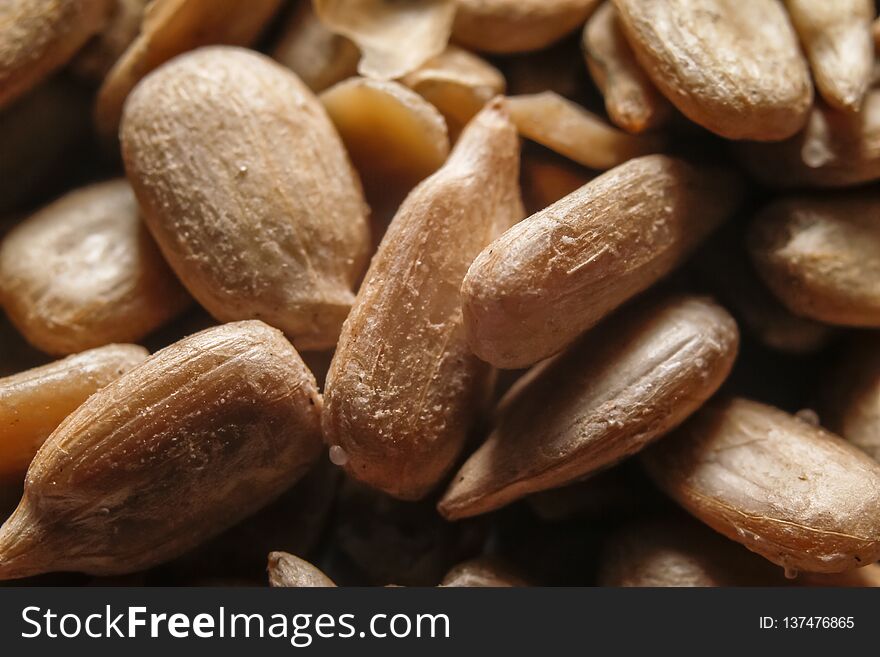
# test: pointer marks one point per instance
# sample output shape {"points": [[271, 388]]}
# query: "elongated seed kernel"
{"points": [[34, 402], [39, 37], [508, 26], [631, 99], [394, 38], [172, 27], [268, 221], [572, 131], [318, 56], [481, 572], [792, 492], [213, 427], [403, 388], [836, 149], [395, 138], [851, 397], [458, 83], [85, 272], [556, 274], [670, 551], [821, 256], [837, 39], [99, 55], [289, 571], [735, 68], [627, 384]]}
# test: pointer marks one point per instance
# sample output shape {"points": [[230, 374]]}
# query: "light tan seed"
{"points": [[85, 272], [821, 256], [553, 276], [851, 397], [289, 571], [507, 26], [631, 99], [39, 37], [106, 47], [172, 27], [40, 140], [669, 551], [568, 129], [482, 572], [457, 83], [627, 384], [394, 38], [403, 389], [33, 403], [213, 427], [734, 68], [838, 42], [246, 186], [836, 149], [318, 56], [790, 491], [395, 138]]}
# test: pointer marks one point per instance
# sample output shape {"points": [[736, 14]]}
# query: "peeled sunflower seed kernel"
{"points": [[85, 272], [289, 571], [631, 99], [269, 221], [34, 402], [318, 56], [734, 68], [556, 274], [39, 37], [509, 26], [628, 383], [795, 494], [837, 39], [821, 256], [394, 137], [225, 420], [458, 84], [394, 37], [570, 130], [482, 572], [668, 551], [400, 409], [851, 397], [836, 149], [172, 27]]}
